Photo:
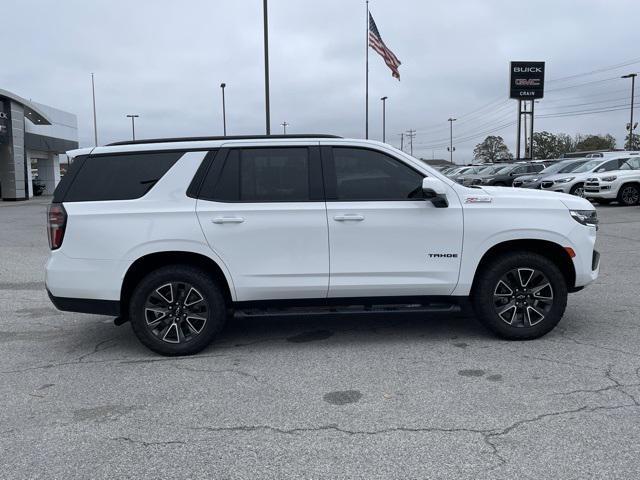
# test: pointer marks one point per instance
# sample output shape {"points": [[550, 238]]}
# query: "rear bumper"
{"points": [[85, 305]]}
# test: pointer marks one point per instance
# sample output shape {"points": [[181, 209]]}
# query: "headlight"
{"points": [[532, 180], [564, 180], [609, 179], [585, 217]]}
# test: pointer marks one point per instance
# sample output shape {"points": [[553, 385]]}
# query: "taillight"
{"points": [[56, 223]]}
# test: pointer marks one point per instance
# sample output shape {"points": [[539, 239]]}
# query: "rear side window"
{"points": [[119, 177], [264, 175]]}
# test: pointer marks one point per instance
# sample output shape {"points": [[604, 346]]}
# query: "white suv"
{"points": [[622, 185], [174, 235], [573, 182]]}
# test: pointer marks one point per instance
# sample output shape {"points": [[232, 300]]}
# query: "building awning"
{"points": [[31, 111]]}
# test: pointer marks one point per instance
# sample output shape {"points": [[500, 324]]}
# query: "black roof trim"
{"points": [[205, 139]]}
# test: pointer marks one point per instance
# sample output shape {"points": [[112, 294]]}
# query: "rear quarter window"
{"points": [[119, 176]]}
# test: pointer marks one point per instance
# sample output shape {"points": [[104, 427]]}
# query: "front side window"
{"points": [[264, 175], [362, 174], [609, 166]]}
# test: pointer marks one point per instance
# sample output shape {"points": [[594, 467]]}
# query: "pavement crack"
{"points": [[97, 349], [148, 444]]}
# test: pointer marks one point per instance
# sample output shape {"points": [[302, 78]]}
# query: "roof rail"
{"points": [[205, 139]]}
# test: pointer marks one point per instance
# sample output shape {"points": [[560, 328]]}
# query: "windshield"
{"points": [[572, 166], [588, 166], [489, 169], [557, 167], [503, 170]]}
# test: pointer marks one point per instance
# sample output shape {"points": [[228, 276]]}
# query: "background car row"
{"points": [[612, 176]]}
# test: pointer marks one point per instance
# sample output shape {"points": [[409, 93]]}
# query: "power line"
{"points": [[593, 72], [583, 84]]}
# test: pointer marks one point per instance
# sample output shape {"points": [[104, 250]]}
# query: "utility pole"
{"points": [[133, 125], [284, 127], [411, 134], [384, 118], [401, 141], [519, 129], [95, 124], [451, 148], [632, 76], [266, 68], [224, 112]]}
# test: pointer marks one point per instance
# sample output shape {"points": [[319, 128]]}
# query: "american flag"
{"points": [[375, 42]]}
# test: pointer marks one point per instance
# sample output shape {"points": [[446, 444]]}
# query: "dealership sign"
{"points": [[526, 80], [4, 121]]}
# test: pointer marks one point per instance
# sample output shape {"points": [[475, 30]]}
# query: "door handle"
{"points": [[227, 220], [349, 217]]}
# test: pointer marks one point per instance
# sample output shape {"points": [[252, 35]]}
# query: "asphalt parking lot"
{"points": [[358, 396]]}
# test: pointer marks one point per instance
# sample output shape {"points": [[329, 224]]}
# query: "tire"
{"points": [[577, 190], [177, 310], [492, 301], [629, 195]]}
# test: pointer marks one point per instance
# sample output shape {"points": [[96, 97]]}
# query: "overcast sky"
{"points": [[165, 60]]}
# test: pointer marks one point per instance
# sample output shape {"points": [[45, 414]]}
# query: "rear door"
{"points": [[385, 239], [263, 213]]}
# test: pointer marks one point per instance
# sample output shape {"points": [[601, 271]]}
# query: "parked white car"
{"points": [[573, 182], [622, 185], [173, 235]]}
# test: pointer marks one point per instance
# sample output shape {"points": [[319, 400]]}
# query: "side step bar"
{"points": [[343, 307]]}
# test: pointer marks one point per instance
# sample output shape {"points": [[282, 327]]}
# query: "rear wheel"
{"points": [[520, 296], [629, 195], [177, 310], [577, 190]]}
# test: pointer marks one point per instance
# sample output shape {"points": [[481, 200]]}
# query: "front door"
{"points": [[385, 239], [263, 213]]}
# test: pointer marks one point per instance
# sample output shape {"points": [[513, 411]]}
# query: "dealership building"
{"points": [[33, 139]]}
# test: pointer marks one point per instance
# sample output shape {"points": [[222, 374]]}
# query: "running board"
{"points": [[275, 311]]}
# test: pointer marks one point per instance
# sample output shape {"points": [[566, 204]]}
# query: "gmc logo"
{"points": [[527, 82], [527, 70]]}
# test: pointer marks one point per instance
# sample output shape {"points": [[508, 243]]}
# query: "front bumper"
{"points": [[599, 190]]}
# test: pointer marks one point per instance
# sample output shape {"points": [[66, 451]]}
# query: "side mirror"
{"points": [[435, 191]]}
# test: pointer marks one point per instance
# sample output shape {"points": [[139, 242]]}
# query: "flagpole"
{"points": [[366, 115]]}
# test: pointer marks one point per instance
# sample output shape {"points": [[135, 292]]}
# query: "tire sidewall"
{"points": [[483, 295], [207, 287]]}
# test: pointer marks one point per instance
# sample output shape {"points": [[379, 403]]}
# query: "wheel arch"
{"points": [[152, 261], [551, 250]]}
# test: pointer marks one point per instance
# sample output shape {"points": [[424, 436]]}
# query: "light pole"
{"points": [[95, 124], [451, 149], [224, 112], [133, 125], [284, 127], [384, 118], [632, 76], [266, 68]]}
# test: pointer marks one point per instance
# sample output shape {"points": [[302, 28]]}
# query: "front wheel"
{"points": [[578, 190], [520, 296], [177, 310], [629, 195]]}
